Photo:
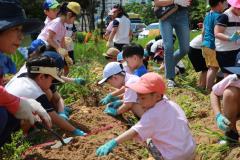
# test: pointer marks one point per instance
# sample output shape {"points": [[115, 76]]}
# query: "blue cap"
{"points": [[145, 53], [57, 57], [50, 4], [235, 69], [120, 56]]}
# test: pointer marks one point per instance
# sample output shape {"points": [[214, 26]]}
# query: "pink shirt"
{"points": [[8, 101], [167, 126], [231, 80], [109, 27], [129, 94], [57, 27]]}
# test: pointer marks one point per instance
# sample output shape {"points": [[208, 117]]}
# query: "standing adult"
{"points": [[119, 35], [180, 22]]}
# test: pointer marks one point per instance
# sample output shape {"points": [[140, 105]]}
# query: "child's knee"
{"points": [[231, 94]]}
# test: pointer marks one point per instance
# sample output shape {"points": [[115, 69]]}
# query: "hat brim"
{"points": [[234, 70], [234, 3], [139, 87], [102, 81], [29, 25], [54, 6]]}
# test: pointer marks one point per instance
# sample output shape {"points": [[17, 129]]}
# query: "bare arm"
{"points": [[129, 134], [51, 41], [118, 92], [219, 33], [112, 34], [125, 107], [161, 3], [57, 100], [215, 103]]}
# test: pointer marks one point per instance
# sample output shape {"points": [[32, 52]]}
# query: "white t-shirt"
{"points": [[57, 27], [231, 22], [129, 94], [122, 34], [196, 42], [167, 126], [23, 86]]}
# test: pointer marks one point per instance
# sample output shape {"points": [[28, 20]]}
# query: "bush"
{"points": [[80, 37]]}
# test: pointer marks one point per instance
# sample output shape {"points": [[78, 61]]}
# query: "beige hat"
{"points": [[111, 53], [52, 71], [74, 7]]}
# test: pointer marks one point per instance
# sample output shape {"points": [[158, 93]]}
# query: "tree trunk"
{"points": [[102, 16]]}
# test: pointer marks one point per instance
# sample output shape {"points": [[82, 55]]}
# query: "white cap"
{"points": [[111, 69]]}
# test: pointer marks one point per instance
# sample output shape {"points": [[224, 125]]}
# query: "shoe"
{"points": [[171, 83]]}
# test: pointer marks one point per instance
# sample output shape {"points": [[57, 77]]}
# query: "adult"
{"points": [[13, 24], [180, 22], [120, 34]]}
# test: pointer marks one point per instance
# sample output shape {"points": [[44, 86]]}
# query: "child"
{"points": [[13, 23], [208, 43], [227, 36], [114, 75], [7, 66], [133, 54], [163, 121], [229, 90], [197, 60], [50, 8], [41, 73], [111, 54]]}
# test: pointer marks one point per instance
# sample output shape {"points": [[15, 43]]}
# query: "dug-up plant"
{"points": [[13, 150]]}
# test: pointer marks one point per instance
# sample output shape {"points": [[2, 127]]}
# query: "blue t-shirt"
{"points": [[140, 71], [209, 24], [7, 65]]}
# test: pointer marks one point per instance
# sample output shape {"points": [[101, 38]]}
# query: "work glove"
{"points": [[183, 3], [80, 81], [78, 132], [63, 115], [68, 42], [110, 111], [234, 37], [63, 52], [109, 98], [115, 104], [67, 110], [106, 148], [222, 122], [109, 44], [68, 60], [29, 107]]}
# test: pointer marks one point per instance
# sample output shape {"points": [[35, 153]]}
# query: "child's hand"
{"points": [[115, 104], [222, 122], [109, 98], [78, 132], [234, 37], [80, 81], [106, 148], [110, 111]]}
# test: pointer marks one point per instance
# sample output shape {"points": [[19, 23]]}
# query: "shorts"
{"points": [[210, 57], [35, 44], [197, 59], [226, 59], [119, 46]]}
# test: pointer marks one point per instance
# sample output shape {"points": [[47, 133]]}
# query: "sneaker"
{"points": [[170, 83]]}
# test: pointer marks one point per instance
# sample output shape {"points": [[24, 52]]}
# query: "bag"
{"points": [[163, 12]]}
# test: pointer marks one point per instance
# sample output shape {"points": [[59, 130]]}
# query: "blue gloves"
{"points": [[106, 148], [222, 122], [110, 111], [63, 115], [67, 110], [109, 98], [78, 132], [115, 104], [234, 37], [79, 81]]}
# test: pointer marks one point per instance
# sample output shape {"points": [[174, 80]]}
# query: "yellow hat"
{"points": [[74, 7]]}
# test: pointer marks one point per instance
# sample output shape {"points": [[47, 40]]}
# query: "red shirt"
{"points": [[8, 101]]}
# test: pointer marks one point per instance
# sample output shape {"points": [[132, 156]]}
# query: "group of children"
{"points": [[161, 121]]}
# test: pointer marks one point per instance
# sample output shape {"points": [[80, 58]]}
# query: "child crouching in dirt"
{"points": [[163, 121], [229, 89], [115, 75]]}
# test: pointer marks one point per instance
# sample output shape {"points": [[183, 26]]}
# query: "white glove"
{"points": [[63, 52], [184, 3], [68, 42], [29, 107], [69, 60]]}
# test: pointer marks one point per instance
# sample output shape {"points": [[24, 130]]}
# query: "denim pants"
{"points": [[180, 22], [8, 125]]}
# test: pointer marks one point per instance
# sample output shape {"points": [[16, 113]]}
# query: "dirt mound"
{"points": [[101, 128]]}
